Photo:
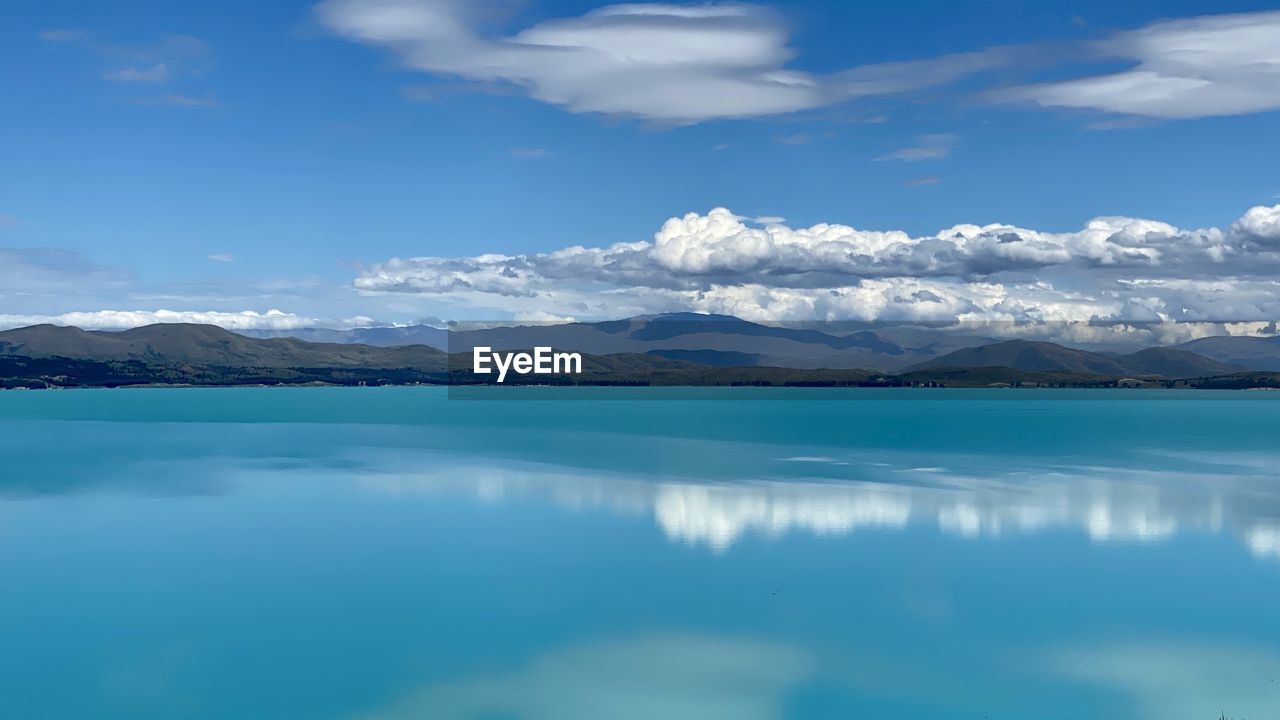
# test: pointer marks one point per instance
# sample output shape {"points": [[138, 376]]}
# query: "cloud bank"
{"points": [[1113, 268], [122, 319]]}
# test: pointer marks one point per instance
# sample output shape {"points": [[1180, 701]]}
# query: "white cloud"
{"points": [[664, 62], [122, 319], [1113, 268], [1261, 224], [1189, 68], [223, 257]]}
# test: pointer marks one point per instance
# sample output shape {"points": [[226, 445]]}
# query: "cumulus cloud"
{"points": [[664, 62], [1188, 68], [1261, 224], [122, 319], [1114, 268]]}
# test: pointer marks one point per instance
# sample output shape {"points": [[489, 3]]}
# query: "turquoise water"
{"points": [[385, 553]]}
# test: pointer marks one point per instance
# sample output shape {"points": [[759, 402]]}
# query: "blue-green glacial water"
{"points": [[391, 553]]}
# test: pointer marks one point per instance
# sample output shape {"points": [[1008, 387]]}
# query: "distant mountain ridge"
{"points": [[709, 339], [376, 336], [664, 349], [1255, 353], [724, 340], [1031, 356]]}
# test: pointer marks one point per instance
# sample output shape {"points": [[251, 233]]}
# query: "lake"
{"points": [[639, 554]]}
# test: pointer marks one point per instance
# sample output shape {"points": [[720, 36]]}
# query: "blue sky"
{"points": [[228, 157]]}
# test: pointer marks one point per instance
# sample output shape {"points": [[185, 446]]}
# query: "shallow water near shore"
{"points": [[394, 553]]}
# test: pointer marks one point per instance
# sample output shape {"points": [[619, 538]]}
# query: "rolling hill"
{"points": [[206, 345]]}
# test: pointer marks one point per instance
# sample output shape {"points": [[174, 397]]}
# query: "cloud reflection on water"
{"points": [[1171, 681], [667, 676], [1107, 504]]}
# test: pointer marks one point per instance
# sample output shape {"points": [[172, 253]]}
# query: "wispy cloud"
{"points": [[680, 64], [532, 153], [180, 101], [802, 138], [668, 63], [927, 147], [157, 73], [62, 35], [38, 274], [1188, 68], [166, 59], [926, 180], [223, 257]]}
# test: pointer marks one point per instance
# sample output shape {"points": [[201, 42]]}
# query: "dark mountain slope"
{"points": [[1171, 363], [1029, 356]]}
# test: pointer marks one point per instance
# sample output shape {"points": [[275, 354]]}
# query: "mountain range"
{"points": [[720, 340], [728, 341], [679, 348]]}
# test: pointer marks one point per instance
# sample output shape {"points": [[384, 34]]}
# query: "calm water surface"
{"points": [[390, 553]]}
